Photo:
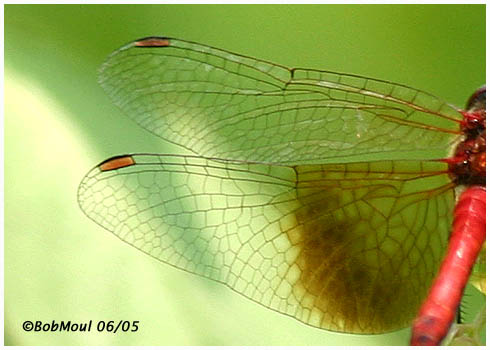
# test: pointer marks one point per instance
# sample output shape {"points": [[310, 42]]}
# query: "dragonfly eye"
{"points": [[477, 101]]}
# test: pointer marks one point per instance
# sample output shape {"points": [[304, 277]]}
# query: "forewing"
{"points": [[349, 248], [219, 104]]}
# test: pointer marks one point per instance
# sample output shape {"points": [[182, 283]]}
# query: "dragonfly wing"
{"points": [[350, 247], [478, 274], [219, 104]]}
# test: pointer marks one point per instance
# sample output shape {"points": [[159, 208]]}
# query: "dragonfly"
{"points": [[324, 196]]}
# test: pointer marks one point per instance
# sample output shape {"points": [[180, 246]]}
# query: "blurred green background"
{"points": [[59, 123]]}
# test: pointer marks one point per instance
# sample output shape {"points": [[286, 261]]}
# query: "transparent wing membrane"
{"points": [[219, 104], [336, 246], [311, 192]]}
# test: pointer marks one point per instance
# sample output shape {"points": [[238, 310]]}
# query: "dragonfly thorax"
{"points": [[468, 164]]}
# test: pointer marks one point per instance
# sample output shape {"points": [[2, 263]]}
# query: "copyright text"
{"points": [[70, 326]]}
